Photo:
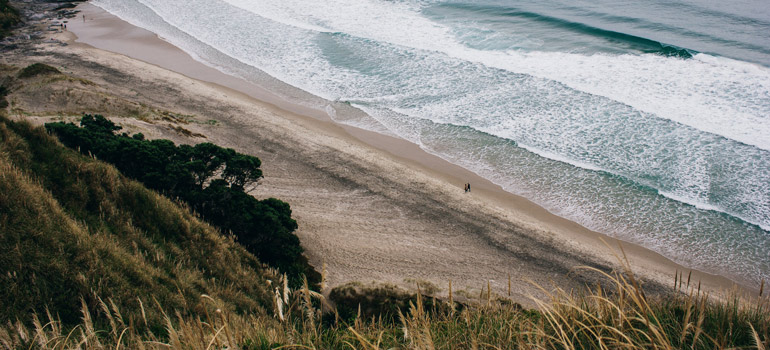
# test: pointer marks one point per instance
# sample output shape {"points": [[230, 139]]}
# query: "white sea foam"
{"points": [[717, 95]]}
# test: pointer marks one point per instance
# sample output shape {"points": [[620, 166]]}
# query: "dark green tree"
{"points": [[241, 170], [98, 124], [210, 178]]}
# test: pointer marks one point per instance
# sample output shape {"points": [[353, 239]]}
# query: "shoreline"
{"points": [[142, 45]]}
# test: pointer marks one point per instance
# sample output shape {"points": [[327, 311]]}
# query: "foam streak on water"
{"points": [[576, 109]]}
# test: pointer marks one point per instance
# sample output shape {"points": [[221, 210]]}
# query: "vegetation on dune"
{"points": [[73, 227], [210, 179], [623, 319], [3, 94], [9, 18], [383, 302], [36, 69], [4, 89]]}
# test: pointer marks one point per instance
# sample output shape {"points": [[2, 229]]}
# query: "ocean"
{"points": [[647, 121]]}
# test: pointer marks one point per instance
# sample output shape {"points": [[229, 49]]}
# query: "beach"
{"points": [[370, 207]]}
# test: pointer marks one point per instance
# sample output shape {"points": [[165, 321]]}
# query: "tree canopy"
{"points": [[209, 178]]}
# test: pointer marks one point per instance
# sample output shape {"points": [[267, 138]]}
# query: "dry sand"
{"points": [[370, 207]]}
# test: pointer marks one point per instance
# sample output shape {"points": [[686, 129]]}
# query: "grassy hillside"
{"points": [[208, 178], [73, 227]]}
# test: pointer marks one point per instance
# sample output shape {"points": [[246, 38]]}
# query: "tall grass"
{"points": [[618, 316]]}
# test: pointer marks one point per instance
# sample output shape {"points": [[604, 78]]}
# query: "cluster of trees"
{"points": [[209, 178]]}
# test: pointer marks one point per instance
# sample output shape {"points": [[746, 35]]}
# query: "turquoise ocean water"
{"points": [[647, 121]]}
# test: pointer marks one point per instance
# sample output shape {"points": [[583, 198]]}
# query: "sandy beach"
{"points": [[370, 208]]}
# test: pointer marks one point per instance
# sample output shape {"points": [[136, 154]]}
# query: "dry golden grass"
{"points": [[618, 316], [73, 228]]}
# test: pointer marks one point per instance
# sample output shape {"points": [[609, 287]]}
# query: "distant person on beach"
{"points": [[468, 189]]}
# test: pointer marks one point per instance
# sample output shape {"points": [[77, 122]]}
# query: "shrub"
{"points": [[209, 178], [36, 69], [72, 228]]}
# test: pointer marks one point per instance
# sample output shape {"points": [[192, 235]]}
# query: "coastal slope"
{"points": [[380, 210]]}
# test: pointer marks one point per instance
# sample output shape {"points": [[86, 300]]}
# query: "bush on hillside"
{"points": [[36, 69], [209, 178], [3, 92], [73, 228], [383, 302]]}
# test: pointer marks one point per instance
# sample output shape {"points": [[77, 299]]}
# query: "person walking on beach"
{"points": [[468, 187]]}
